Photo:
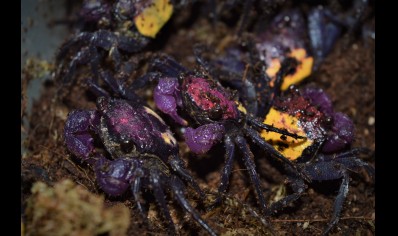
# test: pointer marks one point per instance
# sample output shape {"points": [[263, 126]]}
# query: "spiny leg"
{"points": [[270, 149], [115, 86], [244, 17], [256, 85], [116, 57], [132, 44], [249, 163], [212, 9], [96, 88], [161, 66], [115, 44], [124, 44], [133, 64], [338, 204], [86, 55], [136, 187], [226, 172], [354, 152], [368, 168], [287, 65], [160, 198], [228, 68], [350, 161], [261, 125], [118, 87], [83, 37], [102, 39], [113, 83], [178, 189], [167, 66], [144, 80], [198, 50], [178, 166], [298, 187]]}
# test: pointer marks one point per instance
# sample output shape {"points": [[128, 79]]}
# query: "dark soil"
{"points": [[347, 75]]}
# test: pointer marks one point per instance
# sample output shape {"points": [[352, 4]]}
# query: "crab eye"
{"points": [[328, 121], [215, 114], [127, 147]]}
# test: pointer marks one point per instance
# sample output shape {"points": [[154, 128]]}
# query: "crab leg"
{"points": [[269, 148], [226, 172], [167, 66], [247, 158], [160, 198], [137, 196], [259, 124], [338, 204], [178, 190], [298, 187], [177, 165]]}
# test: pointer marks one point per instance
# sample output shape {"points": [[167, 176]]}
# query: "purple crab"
{"points": [[213, 114], [326, 152], [138, 151], [304, 39], [111, 29]]}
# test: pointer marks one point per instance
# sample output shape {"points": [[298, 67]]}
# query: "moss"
{"points": [[69, 209]]}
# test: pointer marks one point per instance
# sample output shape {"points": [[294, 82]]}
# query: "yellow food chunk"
{"points": [[303, 70], [290, 147], [152, 18]]}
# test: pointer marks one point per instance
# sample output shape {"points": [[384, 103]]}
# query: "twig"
{"points": [[321, 220], [79, 168]]}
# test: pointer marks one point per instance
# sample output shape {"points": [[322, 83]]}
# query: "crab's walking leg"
{"points": [[178, 189], [96, 89], [247, 158], [82, 37], [261, 125], [298, 187], [348, 159], [269, 148], [167, 66], [226, 172], [243, 21], [287, 65], [137, 197], [178, 166], [118, 87], [160, 198], [338, 204], [86, 55]]}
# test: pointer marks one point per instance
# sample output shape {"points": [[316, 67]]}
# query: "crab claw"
{"points": [[201, 139], [319, 98], [114, 176], [342, 133], [323, 33], [167, 98], [77, 132]]}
